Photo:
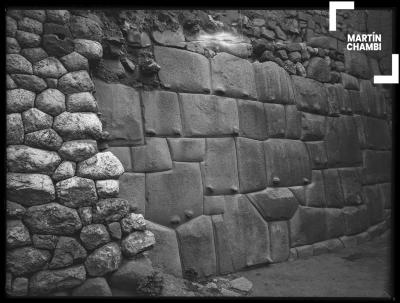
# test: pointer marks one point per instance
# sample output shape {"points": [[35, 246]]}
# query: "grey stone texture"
{"points": [[152, 157]]}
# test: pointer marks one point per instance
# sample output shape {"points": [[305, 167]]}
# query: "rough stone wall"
{"points": [[274, 147]]}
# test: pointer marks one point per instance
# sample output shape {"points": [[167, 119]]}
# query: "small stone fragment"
{"points": [[137, 242], [241, 284]]}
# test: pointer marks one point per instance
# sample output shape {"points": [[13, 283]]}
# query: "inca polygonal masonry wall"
{"points": [[237, 154]]}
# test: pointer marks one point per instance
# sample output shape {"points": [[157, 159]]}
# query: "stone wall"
{"points": [[238, 153]]}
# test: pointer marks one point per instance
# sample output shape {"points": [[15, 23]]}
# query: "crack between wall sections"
{"points": [[178, 240], [216, 241], [237, 165]]}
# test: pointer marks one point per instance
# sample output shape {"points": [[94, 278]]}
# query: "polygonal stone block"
{"points": [[152, 157], [317, 152], [132, 189], [375, 133], [174, 197], [75, 126], [197, 248], [122, 119], [333, 188], [233, 77], [280, 241], [220, 168], [274, 204], [251, 163], [252, 123], [214, 205], [356, 219], [187, 149], [293, 122], [182, 70], [276, 122], [310, 95], [314, 192], [350, 178], [274, 84], [161, 113], [335, 223], [287, 160], [374, 203], [222, 245], [376, 166], [76, 192], [204, 115], [312, 127], [101, 166]]}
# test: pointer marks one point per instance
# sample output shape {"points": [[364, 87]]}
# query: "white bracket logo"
{"points": [[394, 77]]}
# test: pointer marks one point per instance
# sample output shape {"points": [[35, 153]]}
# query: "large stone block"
{"points": [[152, 157], [280, 241], [182, 70], [275, 118], [132, 189], [25, 159], [161, 113], [175, 196], [101, 166], [252, 123], [287, 160], [251, 164], [233, 77], [29, 82], [197, 245], [350, 178], [78, 150], [76, 192], [293, 122], [374, 203], [25, 260], [312, 127], [315, 192], [307, 226], [274, 204], [49, 67], [333, 188], [375, 133], [371, 101], [104, 260], [75, 126], [208, 115], [342, 145], [335, 223], [187, 149], [356, 219], [377, 166], [122, 118], [220, 167], [166, 240], [310, 95], [356, 64], [222, 245], [317, 151], [274, 84], [349, 81]]}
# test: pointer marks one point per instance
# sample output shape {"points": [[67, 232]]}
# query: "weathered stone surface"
{"points": [[49, 68], [250, 154], [356, 64], [220, 173], [307, 226], [312, 127], [85, 28], [349, 81], [101, 166], [376, 166], [74, 62], [335, 223], [166, 240], [122, 119], [94, 235], [44, 139], [310, 95], [137, 242], [356, 219], [293, 122], [107, 188], [280, 241], [10, 84], [92, 50], [75, 82], [222, 245], [323, 42], [29, 82], [133, 222], [187, 149], [318, 69], [75, 126], [115, 230], [342, 146], [52, 218], [58, 16], [375, 133], [20, 287], [252, 123], [48, 281], [197, 246], [64, 171], [314, 191], [81, 102], [45, 241], [233, 77], [214, 205], [30, 189], [78, 150], [110, 210], [86, 215], [152, 157], [273, 83], [26, 260], [17, 64], [374, 203], [35, 119], [37, 14], [132, 188], [172, 193], [24, 159], [15, 129], [51, 101], [76, 192], [333, 188], [208, 115], [26, 39], [57, 47], [34, 54], [182, 70], [11, 26], [17, 234], [104, 260], [67, 252], [351, 185], [241, 284], [93, 287], [317, 152], [288, 160], [15, 210], [275, 120], [274, 204]]}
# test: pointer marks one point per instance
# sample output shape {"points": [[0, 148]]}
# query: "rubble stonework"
{"points": [[126, 132]]}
